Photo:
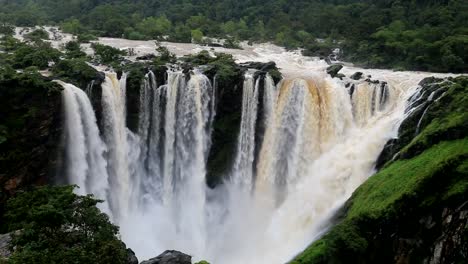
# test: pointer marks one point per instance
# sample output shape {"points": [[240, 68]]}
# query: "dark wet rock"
{"points": [[261, 66], [170, 257], [334, 69], [100, 78], [429, 80], [372, 81], [356, 76], [131, 257], [146, 57], [352, 89], [340, 76]]}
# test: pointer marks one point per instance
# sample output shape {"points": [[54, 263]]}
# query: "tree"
{"points": [[197, 36], [72, 26], [154, 27], [58, 226], [38, 34], [106, 54], [39, 54], [73, 50], [6, 29]]}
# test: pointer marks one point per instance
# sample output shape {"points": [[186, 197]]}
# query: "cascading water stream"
{"points": [[315, 150], [243, 164], [85, 163], [115, 136]]}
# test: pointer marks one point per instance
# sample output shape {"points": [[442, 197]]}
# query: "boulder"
{"points": [[170, 257], [372, 81], [334, 69], [429, 80], [146, 57], [340, 76], [131, 257], [261, 66], [356, 75]]}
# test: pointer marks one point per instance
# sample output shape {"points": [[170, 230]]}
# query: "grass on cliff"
{"points": [[387, 193], [431, 171]]}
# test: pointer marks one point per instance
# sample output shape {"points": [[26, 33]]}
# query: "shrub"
{"points": [[58, 226]]}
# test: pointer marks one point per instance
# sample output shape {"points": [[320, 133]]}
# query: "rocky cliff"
{"points": [[30, 131]]}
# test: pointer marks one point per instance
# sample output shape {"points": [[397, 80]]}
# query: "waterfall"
{"points": [[85, 163], [175, 81], [115, 136], [304, 145], [270, 95], [243, 166]]}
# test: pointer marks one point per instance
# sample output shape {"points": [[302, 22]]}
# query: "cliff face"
{"points": [[414, 209], [30, 126]]}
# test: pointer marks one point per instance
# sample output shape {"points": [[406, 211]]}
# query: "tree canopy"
{"points": [[417, 34], [57, 226]]}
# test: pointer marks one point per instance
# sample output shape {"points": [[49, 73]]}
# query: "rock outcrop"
{"points": [[30, 133], [356, 76], [170, 257], [334, 69]]}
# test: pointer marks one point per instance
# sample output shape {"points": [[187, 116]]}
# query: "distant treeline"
{"points": [[427, 35]]}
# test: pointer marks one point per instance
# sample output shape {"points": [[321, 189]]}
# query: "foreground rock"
{"points": [[356, 76], [170, 257], [131, 257]]}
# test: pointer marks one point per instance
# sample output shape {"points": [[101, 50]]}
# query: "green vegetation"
{"points": [[429, 175], [73, 50], [107, 55], [419, 35], [37, 34], [57, 226], [75, 71], [38, 54]]}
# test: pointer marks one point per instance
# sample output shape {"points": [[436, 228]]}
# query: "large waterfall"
{"points": [[319, 142]]}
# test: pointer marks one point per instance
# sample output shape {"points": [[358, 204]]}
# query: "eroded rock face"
{"points": [[131, 257], [32, 117], [170, 257]]}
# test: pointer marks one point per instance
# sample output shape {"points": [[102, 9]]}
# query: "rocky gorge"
{"points": [[412, 210]]}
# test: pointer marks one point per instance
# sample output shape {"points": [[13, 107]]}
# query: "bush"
{"points": [[106, 54], [38, 34], [58, 226], [86, 38], [39, 54], [73, 50], [76, 71]]}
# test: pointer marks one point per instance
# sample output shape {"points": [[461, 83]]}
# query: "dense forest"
{"points": [[418, 35]]}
